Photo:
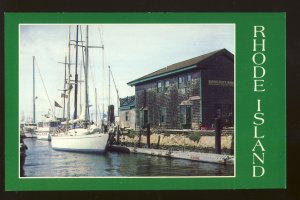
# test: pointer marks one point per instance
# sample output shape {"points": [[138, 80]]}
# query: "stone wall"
{"points": [[196, 141]]}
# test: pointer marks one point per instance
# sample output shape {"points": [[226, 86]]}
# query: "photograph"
{"points": [[145, 101], [104, 100]]}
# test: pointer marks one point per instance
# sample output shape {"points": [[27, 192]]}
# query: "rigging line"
{"points": [[117, 91], [98, 107], [101, 34], [82, 49], [90, 56], [92, 72], [103, 66], [92, 67], [82, 67], [44, 86]]}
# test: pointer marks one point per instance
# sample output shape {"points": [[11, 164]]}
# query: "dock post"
{"points": [[23, 149], [232, 145], [158, 141], [218, 135], [118, 135], [148, 135], [140, 136]]}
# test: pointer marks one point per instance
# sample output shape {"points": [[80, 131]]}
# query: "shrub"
{"points": [[195, 136], [131, 134]]}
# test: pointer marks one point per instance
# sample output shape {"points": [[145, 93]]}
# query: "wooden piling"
{"points": [[23, 149], [232, 145], [158, 141], [148, 135], [118, 135], [140, 136], [218, 135]]}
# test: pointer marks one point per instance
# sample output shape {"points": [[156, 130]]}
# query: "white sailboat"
{"points": [[85, 136]]}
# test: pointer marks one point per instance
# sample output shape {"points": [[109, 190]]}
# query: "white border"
{"points": [[134, 177]]}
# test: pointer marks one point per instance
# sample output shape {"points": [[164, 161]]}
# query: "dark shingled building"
{"points": [[189, 94]]}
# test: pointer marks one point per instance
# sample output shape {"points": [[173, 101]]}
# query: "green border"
{"points": [[273, 103]]}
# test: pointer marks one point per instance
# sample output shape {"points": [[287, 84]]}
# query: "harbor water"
{"points": [[43, 161]]}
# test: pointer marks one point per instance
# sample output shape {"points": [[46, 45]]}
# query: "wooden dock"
{"points": [[187, 155]]}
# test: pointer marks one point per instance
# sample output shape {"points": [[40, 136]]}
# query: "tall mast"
{"points": [[96, 106], [33, 95], [64, 90], [69, 83], [80, 73], [118, 101], [86, 74], [76, 76], [108, 85], [103, 114], [65, 81]]}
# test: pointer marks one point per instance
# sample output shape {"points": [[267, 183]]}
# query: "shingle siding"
{"points": [[169, 99], [220, 68], [216, 71]]}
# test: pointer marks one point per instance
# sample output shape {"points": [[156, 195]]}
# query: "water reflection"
{"points": [[43, 161]]}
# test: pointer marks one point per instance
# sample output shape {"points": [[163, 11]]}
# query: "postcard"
{"points": [[145, 101]]}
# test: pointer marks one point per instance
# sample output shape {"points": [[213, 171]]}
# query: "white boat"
{"points": [[85, 136], [81, 140], [30, 134], [30, 127], [47, 127], [27, 130]]}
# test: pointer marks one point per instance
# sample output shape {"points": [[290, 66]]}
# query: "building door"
{"points": [[186, 116], [189, 115], [143, 118]]}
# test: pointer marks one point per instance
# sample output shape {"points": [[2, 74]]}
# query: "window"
{"points": [[40, 124], [53, 124], [159, 87], [143, 118], [186, 116], [181, 82], [127, 116], [162, 114], [189, 79], [167, 84]]}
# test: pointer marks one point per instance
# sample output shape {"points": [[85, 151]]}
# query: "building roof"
{"points": [[180, 66], [127, 103]]}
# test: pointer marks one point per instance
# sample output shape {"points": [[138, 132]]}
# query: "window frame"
{"points": [[189, 79], [159, 89], [163, 115], [165, 85], [182, 83], [127, 116]]}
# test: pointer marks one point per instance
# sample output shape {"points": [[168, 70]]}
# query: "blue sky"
{"points": [[132, 51]]}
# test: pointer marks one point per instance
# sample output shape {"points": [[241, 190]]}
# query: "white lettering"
{"points": [[262, 172], [259, 55], [258, 144]]}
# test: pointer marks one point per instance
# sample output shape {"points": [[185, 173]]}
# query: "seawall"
{"points": [[197, 141]]}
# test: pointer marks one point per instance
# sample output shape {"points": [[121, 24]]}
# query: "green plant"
{"points": [[131, 134], [194, 136]]}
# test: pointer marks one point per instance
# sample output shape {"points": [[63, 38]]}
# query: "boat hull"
{"points": [[81, 143], [30, 135], [43, 136]]}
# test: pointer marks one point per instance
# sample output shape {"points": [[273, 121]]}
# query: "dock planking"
{"points": [[187, 155]]}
